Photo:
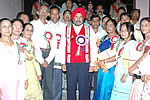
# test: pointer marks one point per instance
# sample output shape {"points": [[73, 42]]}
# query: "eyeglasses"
{"points": [[44, 11], [16, 27]]}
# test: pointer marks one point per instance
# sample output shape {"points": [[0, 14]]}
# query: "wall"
{"points": [[143, 5], [9, 8]]}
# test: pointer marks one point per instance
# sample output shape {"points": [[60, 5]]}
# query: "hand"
{"points": [[39, 77], [101, 62], [132, 68], [63, 67], [114, 73], [96, 68], [91, 69], [1, 94], [123, 79], [98, 42], [21, 49], [45, 64], [145, 78], [26, 84]]}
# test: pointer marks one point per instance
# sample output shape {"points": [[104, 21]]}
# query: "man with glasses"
{"points": [[36, 7], [45, 47]]}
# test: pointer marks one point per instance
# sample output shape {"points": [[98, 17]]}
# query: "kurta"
{"points": [[9, 71], [141, 90], [34, 91], [121, 90]]}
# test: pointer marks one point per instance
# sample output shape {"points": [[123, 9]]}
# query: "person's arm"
{"points": [[135, 65], [53, 50], [1, 94], [35, 39], [93, 48]]}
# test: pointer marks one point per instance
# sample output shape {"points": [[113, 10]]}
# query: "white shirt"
{"points": [[39, 41], [77, 28], [93, 47], [59, 28]]}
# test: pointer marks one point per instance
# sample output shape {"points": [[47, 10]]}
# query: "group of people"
{"points": [[97, 52]]}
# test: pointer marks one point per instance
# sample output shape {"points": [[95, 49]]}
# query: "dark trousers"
{"points": [[47, 78], [78, 72], [57, 84]]}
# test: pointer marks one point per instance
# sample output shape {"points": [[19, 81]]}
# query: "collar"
{"points": [[53, 24], [41, 22]]}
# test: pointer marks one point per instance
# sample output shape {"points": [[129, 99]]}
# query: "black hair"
{"points": [[99, 4], [125, 14], [54, 7], [139, 11], [147, 19], [114, 22], [2, 19], [16, 19], [105, 17], [123, 8], [20, 13], [94, 16], [130, 28], [66, 11], [26, 25]]}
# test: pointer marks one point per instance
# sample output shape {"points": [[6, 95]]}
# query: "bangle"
{"points": [[146, 78]]}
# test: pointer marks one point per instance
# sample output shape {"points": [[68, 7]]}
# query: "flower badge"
{"points": [[81, 41], [48, 36], [58, 40], [113, 40]]}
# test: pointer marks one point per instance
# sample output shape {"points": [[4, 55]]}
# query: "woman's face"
{"points": [[110, 27], [5, 28], [124, 33], [17, 28], [28, 30], [145, 27]]}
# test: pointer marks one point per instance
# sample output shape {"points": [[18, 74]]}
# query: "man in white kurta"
{"points": [[58, 29], [45, 47]]}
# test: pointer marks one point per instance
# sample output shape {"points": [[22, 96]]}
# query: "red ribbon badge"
{"points": [[139, 46], [113, 40], [120, 51], [22, 45], [48, 36], [58, 39]]}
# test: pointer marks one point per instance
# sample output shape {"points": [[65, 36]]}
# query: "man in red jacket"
{"points": [[80, 55]]}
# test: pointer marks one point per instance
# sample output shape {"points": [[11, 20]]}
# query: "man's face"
{"points": [[43, 12], [135, 15], [99, 10], [54, 15], [25, 18], [88, 14], [125, 18], [95, 22], [67, 16], [78, 19], [69, 4]]}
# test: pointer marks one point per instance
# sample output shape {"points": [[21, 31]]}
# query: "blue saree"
{"points": [[105, 81]]}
